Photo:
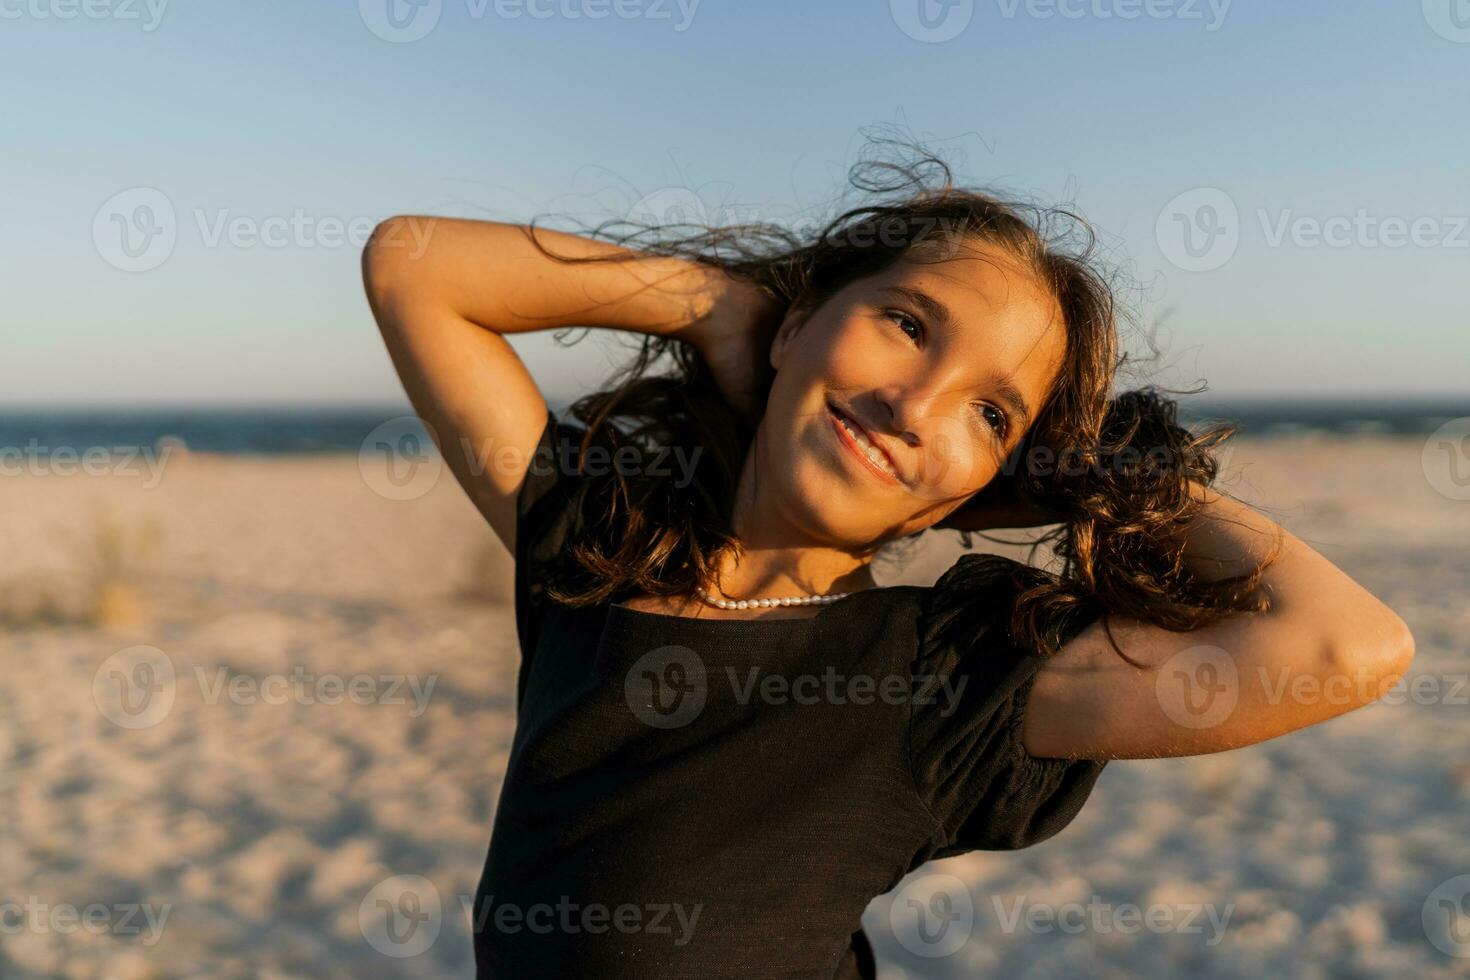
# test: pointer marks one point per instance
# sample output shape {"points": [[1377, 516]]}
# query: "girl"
{"points": [[729, 737]]}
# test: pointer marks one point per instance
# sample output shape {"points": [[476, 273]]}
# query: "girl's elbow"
{"points": [[1379, 655], [1401, 649], [379, 258]]}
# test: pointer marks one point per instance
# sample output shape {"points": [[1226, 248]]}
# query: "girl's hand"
{"points": [[734, 338]]}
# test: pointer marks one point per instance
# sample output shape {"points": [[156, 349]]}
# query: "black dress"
{"points": [[721, 798]]}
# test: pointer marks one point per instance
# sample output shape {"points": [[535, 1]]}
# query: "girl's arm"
{"points": [[443, 292], [1326, 646]]}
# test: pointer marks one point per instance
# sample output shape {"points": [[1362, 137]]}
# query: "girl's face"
{"points": [[940, 367]]}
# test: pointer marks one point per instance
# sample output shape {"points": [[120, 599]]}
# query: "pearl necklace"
{"points": [[805, 600]]}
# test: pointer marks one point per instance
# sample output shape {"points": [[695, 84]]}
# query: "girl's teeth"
{"points": [[872, 451]]}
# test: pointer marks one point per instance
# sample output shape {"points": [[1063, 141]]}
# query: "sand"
{"points": [[340, 708]]}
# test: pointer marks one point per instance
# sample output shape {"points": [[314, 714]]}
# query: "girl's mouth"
{"points": [[874, 459]]}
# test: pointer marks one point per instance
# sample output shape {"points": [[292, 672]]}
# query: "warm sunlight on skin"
{"points": [[932, 395]]}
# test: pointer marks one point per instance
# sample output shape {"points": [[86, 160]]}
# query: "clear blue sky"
{"points": [[1315, 110]]}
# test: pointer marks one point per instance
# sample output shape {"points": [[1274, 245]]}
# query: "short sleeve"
{"points": [[970, 766], [545, 519]]}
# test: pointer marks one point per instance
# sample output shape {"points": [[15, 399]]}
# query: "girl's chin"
{"points": [[836, 508]]}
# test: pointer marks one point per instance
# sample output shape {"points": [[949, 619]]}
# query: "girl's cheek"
{"points": [[847, 353], [947, 463]]}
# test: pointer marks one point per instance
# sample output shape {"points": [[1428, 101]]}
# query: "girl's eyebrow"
{"points": [[936, 311], [1005, 387], [931, 307]]}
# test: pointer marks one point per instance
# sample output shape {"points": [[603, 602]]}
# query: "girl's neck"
{"points": [[791, 572]]}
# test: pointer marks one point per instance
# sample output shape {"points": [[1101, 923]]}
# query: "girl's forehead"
{"points": [[976, 274], [989, 296]]}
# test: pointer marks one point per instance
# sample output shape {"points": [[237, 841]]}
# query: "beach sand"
{"points": [[242, 819]]}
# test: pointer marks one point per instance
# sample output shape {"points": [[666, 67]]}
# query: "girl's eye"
{"points": [[999, 421], [902, 319]]}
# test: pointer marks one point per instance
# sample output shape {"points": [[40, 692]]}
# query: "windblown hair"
{"points": [[1123, 465]]}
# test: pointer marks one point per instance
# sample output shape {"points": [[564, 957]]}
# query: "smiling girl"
{"points": [[729, 737]]}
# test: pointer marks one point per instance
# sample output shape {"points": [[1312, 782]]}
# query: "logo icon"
{"points": [[134, 688], [666, 688], [135, 230], [1446, 917], [1198, 687], [1450, 19], [670, 206], [1446, 459], [398, 459], [943, 469], [400, 21], [1199, 230], [932, 21], [401, 916], [933, 915]]}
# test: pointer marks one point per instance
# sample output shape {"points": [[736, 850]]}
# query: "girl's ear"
{"points": [[795, 317]]}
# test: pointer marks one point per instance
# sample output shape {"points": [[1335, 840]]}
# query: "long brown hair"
{"points": [[1123, 464]]}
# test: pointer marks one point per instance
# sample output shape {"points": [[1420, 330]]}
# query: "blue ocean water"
{"points": [[293, 431]]}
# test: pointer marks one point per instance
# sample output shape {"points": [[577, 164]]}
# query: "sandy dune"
{"points": [[333, 671]]}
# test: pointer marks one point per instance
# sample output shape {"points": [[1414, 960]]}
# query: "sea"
{"points": [[287, 431]]}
